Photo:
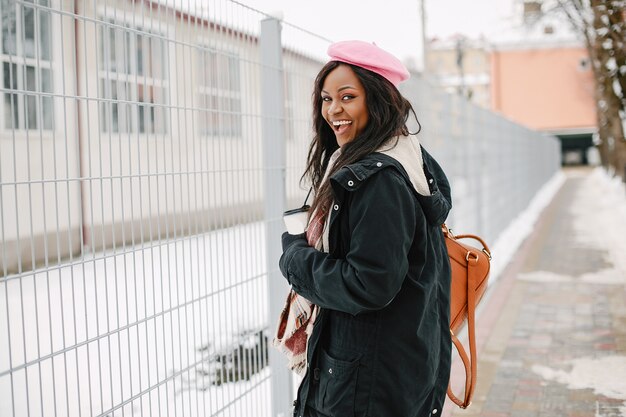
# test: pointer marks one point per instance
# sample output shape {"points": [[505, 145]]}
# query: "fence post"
{"points": [[274, 166]]}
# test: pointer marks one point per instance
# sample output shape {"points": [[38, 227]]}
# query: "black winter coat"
{"points": [[381, 344]]}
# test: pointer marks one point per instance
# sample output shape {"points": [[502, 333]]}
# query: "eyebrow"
{"points": [[341, 89]]}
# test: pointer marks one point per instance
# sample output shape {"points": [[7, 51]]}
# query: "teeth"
{"points": [[341, 122]]}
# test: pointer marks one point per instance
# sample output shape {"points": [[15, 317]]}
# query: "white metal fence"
{"points": [[147, 150]]}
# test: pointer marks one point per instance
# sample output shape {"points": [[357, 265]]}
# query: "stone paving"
{"points": [[552, 330]]}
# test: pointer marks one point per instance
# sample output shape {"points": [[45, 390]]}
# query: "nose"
{"points": [[335, 108]]}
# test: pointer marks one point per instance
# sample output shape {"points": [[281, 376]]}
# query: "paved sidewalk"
{"points": [[552, 332]]}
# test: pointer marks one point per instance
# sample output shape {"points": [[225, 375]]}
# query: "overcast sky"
{"points": [[394, 25]]}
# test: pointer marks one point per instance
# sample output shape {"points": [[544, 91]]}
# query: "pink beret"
{"points": [[371, 57]]}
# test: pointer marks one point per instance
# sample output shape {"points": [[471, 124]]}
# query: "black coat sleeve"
{"points": [[382, 218], [439, 182]]}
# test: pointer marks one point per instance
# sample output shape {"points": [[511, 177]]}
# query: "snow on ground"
{"points": [[591, 373], [609, 276], [133, 318], [599, 212]]}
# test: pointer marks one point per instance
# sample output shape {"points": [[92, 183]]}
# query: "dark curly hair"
{"points": [[388, 113]]}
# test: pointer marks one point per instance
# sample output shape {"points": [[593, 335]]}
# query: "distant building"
{"points": [[541, 77], [538, 74], [462, 65]]}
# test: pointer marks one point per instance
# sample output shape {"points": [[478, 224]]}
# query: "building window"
{"points": [[219, 93], [132, 75], [26, 65]]}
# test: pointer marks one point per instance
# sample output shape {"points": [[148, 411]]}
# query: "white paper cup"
{"points": [[296, 219]]}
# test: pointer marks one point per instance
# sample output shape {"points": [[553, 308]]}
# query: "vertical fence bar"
{"points": [[274, 204]]}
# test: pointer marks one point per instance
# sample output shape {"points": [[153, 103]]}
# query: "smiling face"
{"points": [[343, 104]]}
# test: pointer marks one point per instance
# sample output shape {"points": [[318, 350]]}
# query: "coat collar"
{"points": [[350, 178]]}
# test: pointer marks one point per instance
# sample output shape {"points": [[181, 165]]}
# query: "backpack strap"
{"points": [[468, 363]]}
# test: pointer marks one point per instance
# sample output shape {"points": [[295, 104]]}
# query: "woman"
{"points": [[373, 261]]}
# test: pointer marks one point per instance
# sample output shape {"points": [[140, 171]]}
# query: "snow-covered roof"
{"points": [[452, 41], [549, 28]]}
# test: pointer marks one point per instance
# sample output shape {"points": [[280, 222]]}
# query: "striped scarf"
{"points": [[297, 318]]}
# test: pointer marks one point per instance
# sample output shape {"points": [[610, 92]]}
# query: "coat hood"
{"points": [[420, 170], [412, 157], [408, 152]]}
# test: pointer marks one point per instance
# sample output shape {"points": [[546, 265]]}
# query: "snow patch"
{"points": [[599, 211], [591, 373], [599, 222], [544, 276], [608, 276]]}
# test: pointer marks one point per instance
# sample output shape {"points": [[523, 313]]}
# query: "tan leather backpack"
{"points": [[470, 273]]}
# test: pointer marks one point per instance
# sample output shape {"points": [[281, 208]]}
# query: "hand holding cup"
{"points": [[296, 219]]}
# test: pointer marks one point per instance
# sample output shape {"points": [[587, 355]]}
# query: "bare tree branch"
{"points": [[602, 24]]}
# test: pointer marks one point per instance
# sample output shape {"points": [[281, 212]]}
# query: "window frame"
{"points": [[223, 124], [110, 21], [20, 78]]}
